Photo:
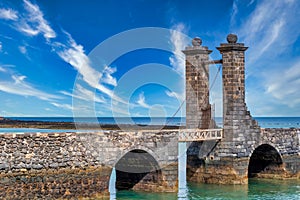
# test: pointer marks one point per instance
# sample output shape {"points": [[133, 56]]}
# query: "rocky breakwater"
{"points": [[50, 166]]}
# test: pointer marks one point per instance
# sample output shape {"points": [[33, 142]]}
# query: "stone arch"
{"points": [[139, 147], [265, 161], [138, 169]]}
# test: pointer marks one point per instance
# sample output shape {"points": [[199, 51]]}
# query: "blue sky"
{"points": [[86, 58]]}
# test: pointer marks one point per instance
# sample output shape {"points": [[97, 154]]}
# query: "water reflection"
{"points": [[182, 184], [112, 185]]}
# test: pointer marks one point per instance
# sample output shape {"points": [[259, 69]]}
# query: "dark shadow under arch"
{"points": [[264, 159], [137, 170]]}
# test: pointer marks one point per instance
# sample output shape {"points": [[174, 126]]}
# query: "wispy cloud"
{"points": [[84, 94], [63, 106], [34, 23], [271, 27], [284, 86], [107, 76], [120, 111], [75, 55], [1, 47], [2, 69], [8, 14], [179, 97], [142, 101], [23, 50], [234, 13], [16, 84], [178, 42]]}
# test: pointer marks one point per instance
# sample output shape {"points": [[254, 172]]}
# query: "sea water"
{"points": [[255, 190]]}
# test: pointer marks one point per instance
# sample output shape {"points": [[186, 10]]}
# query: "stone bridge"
{"points": [[79, 165]]}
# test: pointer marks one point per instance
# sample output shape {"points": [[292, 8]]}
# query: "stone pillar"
{"points": [[241, 132], [198, 109], [239, 127], [233, 75]]}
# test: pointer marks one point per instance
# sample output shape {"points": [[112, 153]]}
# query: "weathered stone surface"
{"points": [[227, 161], [55, 158], [198, 109], [64, 183]]}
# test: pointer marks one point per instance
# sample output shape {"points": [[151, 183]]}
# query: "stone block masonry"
{"points": [[198, 109], [287, 144], [49, 165], [228, 161], [78, 165]]}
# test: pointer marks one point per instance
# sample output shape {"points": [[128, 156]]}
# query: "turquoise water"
{"points": [[256, 190]]}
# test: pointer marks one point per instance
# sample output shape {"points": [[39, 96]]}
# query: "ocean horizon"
{"points": [[264, 122]]}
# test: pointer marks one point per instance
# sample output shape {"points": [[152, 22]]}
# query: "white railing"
{"points": [[190, 135]]}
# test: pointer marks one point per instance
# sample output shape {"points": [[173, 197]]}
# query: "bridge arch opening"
{"points": [[137, 170], [264, 160]]}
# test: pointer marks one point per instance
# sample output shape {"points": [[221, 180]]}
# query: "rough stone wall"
{"points": [[287, 143], [49, 165], [60, 183], [77, 165], [198, 109]]}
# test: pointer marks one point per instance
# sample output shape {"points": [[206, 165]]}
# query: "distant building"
{"points": [[1, 118]]}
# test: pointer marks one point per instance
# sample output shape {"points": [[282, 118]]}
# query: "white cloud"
{"points": [[178, 42], [234, 12], [107, 76], [179, 97], [251, 2], [76, 57], [63, 106], [284, 86], [120, 110], [1, 47], [142, 101], [2, 69], [24, 89], [84, 94], [8, 14], [18, 79], [34, 23], [16, 84], [23, 49], [25, 28]]}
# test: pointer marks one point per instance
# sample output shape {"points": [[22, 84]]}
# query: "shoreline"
{"points": [[8, 123]]}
